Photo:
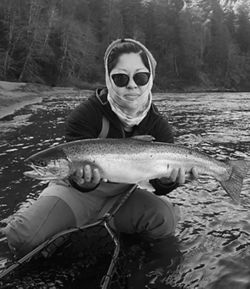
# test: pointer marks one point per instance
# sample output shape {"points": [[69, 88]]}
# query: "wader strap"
{"points": [[105, 128]]}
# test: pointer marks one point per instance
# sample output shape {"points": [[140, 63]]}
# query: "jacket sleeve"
{"points": [[83, 122], [162, 130], [163, 133]]}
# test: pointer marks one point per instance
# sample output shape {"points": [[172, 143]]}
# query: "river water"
{"points": [[213, 232]]}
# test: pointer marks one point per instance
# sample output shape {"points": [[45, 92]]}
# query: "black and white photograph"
{"points": [[125, 144]]}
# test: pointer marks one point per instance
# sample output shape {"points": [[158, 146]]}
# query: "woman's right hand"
{"points": [[87, 177]]}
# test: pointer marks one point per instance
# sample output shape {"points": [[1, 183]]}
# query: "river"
{"points": [[213, 232]]}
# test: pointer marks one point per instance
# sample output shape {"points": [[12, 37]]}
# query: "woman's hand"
{"points": [[87, 177], [178, 176]]}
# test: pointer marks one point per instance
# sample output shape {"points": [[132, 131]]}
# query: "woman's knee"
{"points": [[43, 219], [145, 213], [169, 215], [162, 220]]}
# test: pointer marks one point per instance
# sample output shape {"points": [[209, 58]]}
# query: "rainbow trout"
{"points": [[133, 160]]}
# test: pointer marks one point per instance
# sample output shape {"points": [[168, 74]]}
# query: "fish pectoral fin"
{"points": [[145, 137]]}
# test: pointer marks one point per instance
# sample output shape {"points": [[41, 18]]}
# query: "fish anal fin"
{"points": [[146, 186], [145, 137]]}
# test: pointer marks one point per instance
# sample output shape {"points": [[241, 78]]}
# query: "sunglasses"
{"points": [[122, 79]]}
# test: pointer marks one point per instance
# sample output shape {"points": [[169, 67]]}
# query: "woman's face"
{"points": [[129, 64]]}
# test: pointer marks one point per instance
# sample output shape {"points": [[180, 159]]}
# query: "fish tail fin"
{"points": [[233, 185]]}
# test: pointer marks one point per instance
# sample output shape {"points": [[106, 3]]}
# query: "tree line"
{"points": [[197, 43]]}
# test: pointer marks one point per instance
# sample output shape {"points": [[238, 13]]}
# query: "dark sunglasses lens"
{"points": [[141, 78], [120, 79]]}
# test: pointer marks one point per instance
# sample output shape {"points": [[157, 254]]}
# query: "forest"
{"points": [[198, 44]]}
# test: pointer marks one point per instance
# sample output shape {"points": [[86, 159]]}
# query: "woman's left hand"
{"points": [[178, 176]]}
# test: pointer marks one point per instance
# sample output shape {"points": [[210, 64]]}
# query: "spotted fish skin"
{"points": [[134, 160]]}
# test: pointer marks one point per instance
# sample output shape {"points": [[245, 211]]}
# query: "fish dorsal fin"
{"points": [[146, 137]]}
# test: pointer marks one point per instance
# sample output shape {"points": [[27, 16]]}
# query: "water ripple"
{"points": [[213, 231]]}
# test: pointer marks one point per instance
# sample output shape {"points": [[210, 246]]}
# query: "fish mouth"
{"points": [[40, 173]]}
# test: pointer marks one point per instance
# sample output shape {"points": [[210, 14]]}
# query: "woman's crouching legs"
{"points": [[151, 216], [58, 208], [46, 217]]}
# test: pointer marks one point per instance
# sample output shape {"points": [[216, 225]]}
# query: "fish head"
{"points": [[50, 164]]}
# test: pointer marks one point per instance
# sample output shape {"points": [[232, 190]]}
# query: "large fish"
{"points": [[133, 160]]}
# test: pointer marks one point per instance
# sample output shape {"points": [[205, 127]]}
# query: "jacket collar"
{"points": [[101, 94]]}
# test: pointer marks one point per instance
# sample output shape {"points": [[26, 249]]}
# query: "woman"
{"points": [[123, 108]]}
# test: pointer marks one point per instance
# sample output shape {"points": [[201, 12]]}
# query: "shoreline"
{"points": [[20, 103], [14, 96]]}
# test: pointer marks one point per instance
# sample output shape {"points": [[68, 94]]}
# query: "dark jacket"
{"points": [[85, 121]]}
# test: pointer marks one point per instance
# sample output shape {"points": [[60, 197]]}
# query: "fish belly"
{"points": [[127, 171]]}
